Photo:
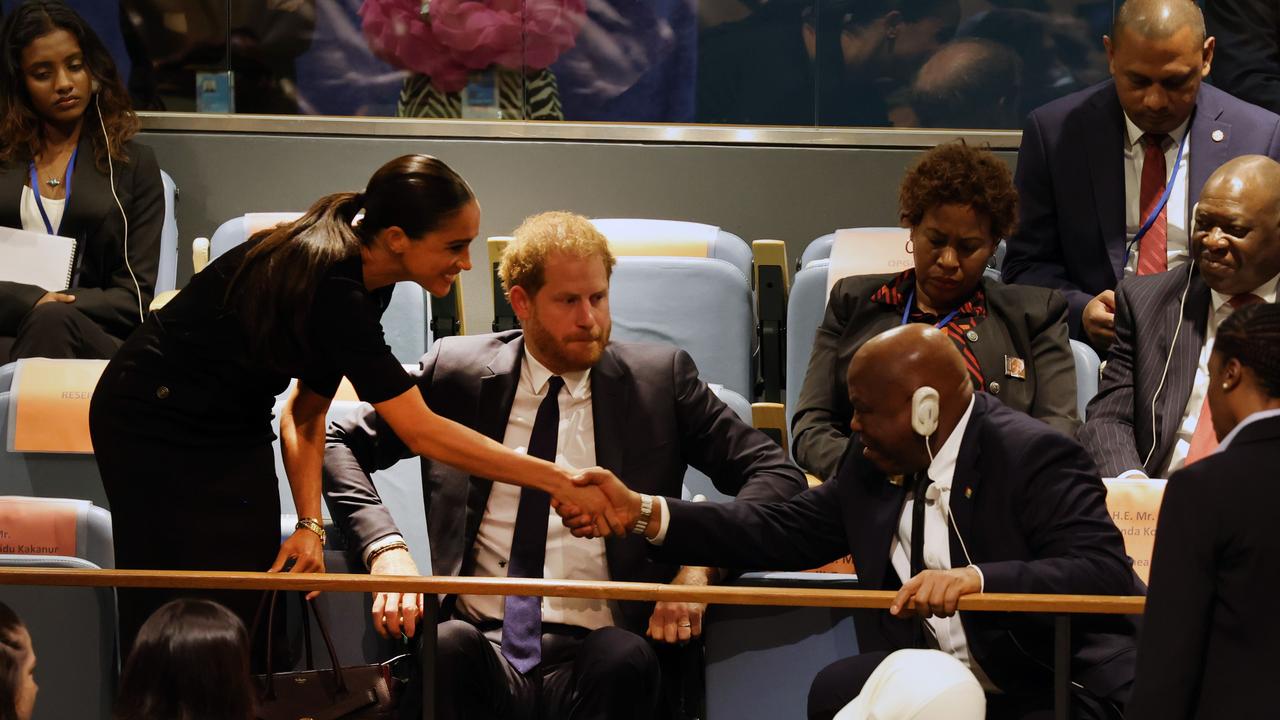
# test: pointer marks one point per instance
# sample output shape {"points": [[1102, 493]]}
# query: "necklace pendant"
{"points": [[53, 182]]}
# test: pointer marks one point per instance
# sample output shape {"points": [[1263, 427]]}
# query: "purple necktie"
{"points": [[522, 616]]}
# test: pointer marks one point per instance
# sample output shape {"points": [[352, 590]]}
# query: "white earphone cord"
{"points": [[1173, 344], [111, 176], [945, 506]]}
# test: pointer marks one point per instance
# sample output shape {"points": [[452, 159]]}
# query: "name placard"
{"points": [[49, 411], [869, 251], [671, 238], [39, 526], [1134, 504]]}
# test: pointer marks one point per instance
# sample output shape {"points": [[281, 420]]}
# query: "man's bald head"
{"points": [[883, 375], [910, 356], [1236, 236], [968, 83], [1158, 20]]}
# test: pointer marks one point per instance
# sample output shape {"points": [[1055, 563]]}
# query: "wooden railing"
{"points": [[1060, 606]]}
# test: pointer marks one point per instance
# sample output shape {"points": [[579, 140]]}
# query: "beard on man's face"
{"points": [[578, 351]]}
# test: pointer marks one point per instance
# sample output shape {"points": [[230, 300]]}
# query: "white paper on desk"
{"points": [[34, 258]]}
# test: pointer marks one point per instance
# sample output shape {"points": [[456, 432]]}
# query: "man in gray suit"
{"points": [[635, 408], [1150, 416]]}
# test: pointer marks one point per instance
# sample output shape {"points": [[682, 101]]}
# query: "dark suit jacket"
{"points": [[1210, 637], [1024, 322], [1119, 432], [1035, 522], [1246, 60], [1070, 178], [653, 417], [103, 288]]}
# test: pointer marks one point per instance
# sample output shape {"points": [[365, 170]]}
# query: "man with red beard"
{"points": [[558, 390]]}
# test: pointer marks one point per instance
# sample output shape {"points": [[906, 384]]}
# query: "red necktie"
{"points": [[1153, 255], [1204, 440]]}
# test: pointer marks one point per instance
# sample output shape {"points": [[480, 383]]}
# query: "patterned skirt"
{"points": [[533, 96]]}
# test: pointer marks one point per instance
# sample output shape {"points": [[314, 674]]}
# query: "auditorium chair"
{"points": [[51, 398], [73, 629], [670, 269]]}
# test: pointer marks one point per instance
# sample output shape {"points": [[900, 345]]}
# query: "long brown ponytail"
{"points": [[275, 286]]}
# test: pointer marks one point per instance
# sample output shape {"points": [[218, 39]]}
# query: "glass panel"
{"points": [[906, 63]]}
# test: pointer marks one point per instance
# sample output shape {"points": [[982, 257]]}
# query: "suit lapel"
{"points": [[87, 185], [12, 179], [1105, 153], [610, 401], [609, 404], [1207, 154], [1194, 321], [966, 481], [493, 409]]}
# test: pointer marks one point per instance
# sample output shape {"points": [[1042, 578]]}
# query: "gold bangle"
{"points": [[313, 525], [397, 545]]}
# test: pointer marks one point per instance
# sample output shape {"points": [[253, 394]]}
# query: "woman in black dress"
{"points": [[69, 166], [181, 419]]}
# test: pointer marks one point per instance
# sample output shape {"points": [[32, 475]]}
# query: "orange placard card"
{"points": [[1134, 504], [843, 566], [51, 405], [869, 251], [39, 526]]}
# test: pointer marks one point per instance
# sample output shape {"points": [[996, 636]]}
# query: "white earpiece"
{"points": [[924, 410]]}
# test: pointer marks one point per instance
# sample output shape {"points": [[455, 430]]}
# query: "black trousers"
{"points": [[839, 683], [58, 330], [610, 673], [180, 505]]}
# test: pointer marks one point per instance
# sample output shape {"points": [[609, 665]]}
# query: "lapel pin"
{"points": [[1218, 136], [972, 335], [968, 492], [896, 480], [1015, 367]]}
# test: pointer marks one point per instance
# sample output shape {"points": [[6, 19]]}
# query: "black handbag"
{"points": [[361, 692]]}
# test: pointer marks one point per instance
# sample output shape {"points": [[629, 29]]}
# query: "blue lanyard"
{"points": [[1164, 200], [35, 190], [906, 312]]}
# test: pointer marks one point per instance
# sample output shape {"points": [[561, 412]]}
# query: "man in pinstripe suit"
{"points": [[1146, 417]]}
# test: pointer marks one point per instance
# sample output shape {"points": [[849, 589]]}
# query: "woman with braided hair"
{"points": [[1210, 638]]}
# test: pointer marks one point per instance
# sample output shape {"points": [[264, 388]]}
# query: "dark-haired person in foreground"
{"points": [[1150, 415], [191, 660], [958, 202], [557, 388], [1094, 165], [1209, 636], [181, 418], [66, 143], [991, 500], [18, 687]]}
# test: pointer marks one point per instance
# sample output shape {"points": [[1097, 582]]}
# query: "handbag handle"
{"points": [[338, 679]]}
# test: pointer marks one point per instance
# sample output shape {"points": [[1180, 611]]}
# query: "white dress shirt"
{"points": [[949, 632], [1177, 208], [567, 557], [29, 212], [1219, 310]]}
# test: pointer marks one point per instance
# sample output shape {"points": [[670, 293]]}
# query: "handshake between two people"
{"points": [[597, 504]]}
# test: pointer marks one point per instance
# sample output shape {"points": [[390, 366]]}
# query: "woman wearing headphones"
{"points": [[957, 202], [69, 167], [181, 419]]}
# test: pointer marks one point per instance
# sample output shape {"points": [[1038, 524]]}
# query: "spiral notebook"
{"points": [[34, 258]]}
